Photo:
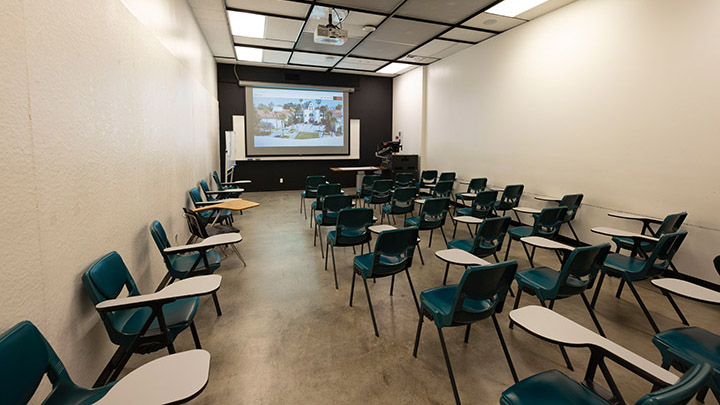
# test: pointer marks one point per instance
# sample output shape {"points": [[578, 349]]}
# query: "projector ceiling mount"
{"points": [[331, 34]]}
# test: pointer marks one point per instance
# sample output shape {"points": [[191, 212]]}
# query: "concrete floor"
{"points": [[287, 336]]}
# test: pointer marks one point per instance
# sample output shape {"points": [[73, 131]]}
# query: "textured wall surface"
{"points": [[409, 110], [107, 120], [615, 99]]}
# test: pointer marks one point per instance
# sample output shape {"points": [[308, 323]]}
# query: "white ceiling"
{"points": [[414, 32]]}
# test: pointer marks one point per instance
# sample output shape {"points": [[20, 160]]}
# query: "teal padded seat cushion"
{"points": [[349, 235], [543, 278], [462, 244], [549, 387], [440, 302], [463, 212], [183, 263], [177, 315], [412, 221], [694, 345], [364, 263], [627, 243], [520, 232], [617, 264]]}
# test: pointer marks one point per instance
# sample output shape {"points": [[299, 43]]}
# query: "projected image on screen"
{"points": [[284, 121]]}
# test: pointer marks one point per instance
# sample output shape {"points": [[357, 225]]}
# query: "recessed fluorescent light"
{"points": [[249, 54], [512, 8], [394, 68], [246, 24]]}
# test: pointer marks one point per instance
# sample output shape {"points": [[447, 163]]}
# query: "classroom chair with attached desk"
{"points": [[488, 239], [510, 199], [572, 202], [366, 186], [631, 269], [209, 216], [105, 280], [323, 190], [393, 254], [479, 295], [428, 178], [404, 179], [311, 185], [443, 189], [475, 186], [482, 206], [547, 225], [432, 216], [380, 194], [351, 230], [198, 231], [331, 207], [402, 203]]}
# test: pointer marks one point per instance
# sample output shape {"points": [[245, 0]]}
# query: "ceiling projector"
{"points": [[330, 33]]}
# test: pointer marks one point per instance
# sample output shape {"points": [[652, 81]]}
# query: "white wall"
{"points": [[612, 98], [107, 120], [408, 110]]}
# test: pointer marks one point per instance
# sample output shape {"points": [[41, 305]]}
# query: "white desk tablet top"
{"points": [[461, 257], [228, 191], [548, 198], [604, 230], [545, 243], [688, 290], [467, 219], [216, 240], [554, 327], [526, 210], [634, 217], [380, 228], [190, 287], [237, 182], [463, 181], [420, 201], [169, 379], [356, 169], [469, 195]]}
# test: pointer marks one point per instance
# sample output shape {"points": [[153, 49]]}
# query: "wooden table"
{"points": [[170, 379], [360, 172], [545, 243], [458, 257], [233, 205], [555, 328]]}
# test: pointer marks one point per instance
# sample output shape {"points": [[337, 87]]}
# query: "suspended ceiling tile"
{"points": [[383, 6], [406, 31], [417, 59], [355, 72], [352, 21], [457, 47], [313, 59], [432, 47], [543, 8], [448, 11], [306, 43], [289, 8], [277, 57], [464, 34], [361, 64], [218, 5], [493, 22], [282, 29], [268, 43], [381, 50]]}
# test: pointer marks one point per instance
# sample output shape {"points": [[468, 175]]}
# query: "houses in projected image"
{"points": [[298, 119]]}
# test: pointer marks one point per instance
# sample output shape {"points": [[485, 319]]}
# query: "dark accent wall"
{"points": [[371, 103]]}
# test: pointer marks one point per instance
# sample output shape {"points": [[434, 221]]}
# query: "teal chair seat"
{"points": [[184, 263], [351, 229], [412, 221], [177, 315], [326, 219], [684, 347], [462, 244], [463, 212], [520, 232], [549, 387], [364, 264], [624, 266], [350, 235], [627, 243], [440, 300], [544, 279]]}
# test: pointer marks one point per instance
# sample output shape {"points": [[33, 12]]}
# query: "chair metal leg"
{"points": [[496, 257], [620, 288], [352, 287], [449, 367], [470, 230], [643, 307], [467, 332], [420, 253], [597, 289], [507, 252], [430, 239], [392, 284], [516, 216], [327, 246], [412, 290], [372, 313], [676, 307], [504, 346], [447, 268], [527, 253], [315, 236], [382, 217], [592, 314], [196, 339], [454, 228], [573, 231], [332, 252], [562, 348], [217, 304], [321, 241], [109, 367], [237, 253], [517, 303], [442, 231], [417, 335]]}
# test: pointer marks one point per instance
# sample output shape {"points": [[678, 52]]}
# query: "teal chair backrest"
{"points": [[206, 188], [368, 180], [477, 184], [403, 199], [478, 287], [663, 253], [312, 182], [332, 205], [572, 202], [579, 271], [352, 226], [443, 188], [683, 390], [671, 223], [25, 358], [381, 190], [428, 176], [434, 212], [548, 221], [324, 190], [404, 179], [394, 250], [490, 236], [483, 203], [511, 195], [195, 196], [216, 177], [447, 176], [106, 279]]}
